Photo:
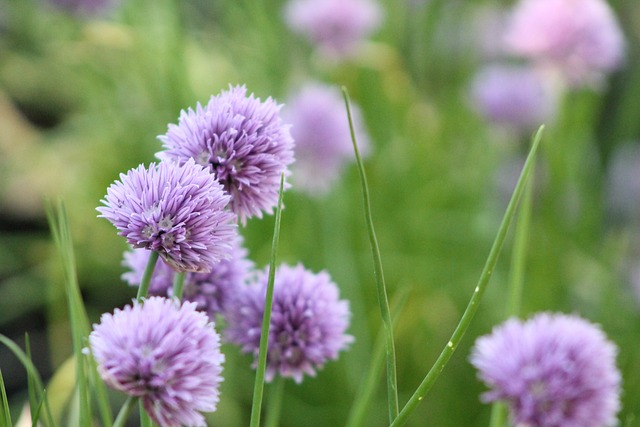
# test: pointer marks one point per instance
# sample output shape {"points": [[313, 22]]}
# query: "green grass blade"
{"points": [[79, 320], [392, 382], [258, 388], [472, 307], [32, 373], [35, 416], [6, 413], [31, 385]]}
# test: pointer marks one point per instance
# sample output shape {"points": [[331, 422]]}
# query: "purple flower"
{"points": [[580, 38], [553, 370], [320, 128], [308, 321], [177, 211], [336, 27], [513, 96], [210, 291], [242, 141], [166, 354]]}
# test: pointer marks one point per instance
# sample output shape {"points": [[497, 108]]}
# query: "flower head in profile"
{"points": [[320, 128], [166, 354], [308, 321], [580, 38], [335, 27], [242, 141], [177, 211], [513, 96], [553, 370], [210, 291]]}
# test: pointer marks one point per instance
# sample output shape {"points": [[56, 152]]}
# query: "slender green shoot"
{"points": [[36, 414], [32, 372], [516, 279], [143, 290], [125, 411], [6, 414], [178, 284], [369, 384], [266, 319], [392, 382], [31, 384], [275, 403], [480, 288]]}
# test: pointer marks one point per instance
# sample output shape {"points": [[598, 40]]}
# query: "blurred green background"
{"points": [[82, 99]]}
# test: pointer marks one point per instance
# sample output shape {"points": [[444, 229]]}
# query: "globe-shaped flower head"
{"points": [[210, 291], [320, 128], [177, 211], [166, 354], [242, 141], [580, 38], [336, 27], [553, 370], [308, 321]]}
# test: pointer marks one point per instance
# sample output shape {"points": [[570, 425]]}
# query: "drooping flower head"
{"points": [[177, 211], [308, 321], [210, 291], [553, 370], [320, 128], [513, 96], [335, 27], [580, 38], [242, 141], [166, 354]]}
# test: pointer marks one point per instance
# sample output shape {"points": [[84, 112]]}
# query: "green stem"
{"points": [[143, 290], [266, 319], [125, 411], [392, 382], [178, 284], [145, 419], [480, 288], [275, 403]]}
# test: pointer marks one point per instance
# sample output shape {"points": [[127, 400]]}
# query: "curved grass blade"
{"points": [[6, 414], [392, 382], [472, 307]]}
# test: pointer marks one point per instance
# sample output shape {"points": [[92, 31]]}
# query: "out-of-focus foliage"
{"points": [[83, 97]]}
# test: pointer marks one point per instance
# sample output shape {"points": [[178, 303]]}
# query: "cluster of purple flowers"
{"points": [[558, 45], [221, 163], [553, 370]]}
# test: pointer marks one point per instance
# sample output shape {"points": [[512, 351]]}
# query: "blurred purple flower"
{"points": [[335, 27], [580, 38], [308, 321], [242, 141], [210, 291], [177, 211], [553, 370], [513, 96], [85, 7], [166, 354], [320, 128]]}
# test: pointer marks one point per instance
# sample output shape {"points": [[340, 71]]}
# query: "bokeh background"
{"points": [[86, 86]]}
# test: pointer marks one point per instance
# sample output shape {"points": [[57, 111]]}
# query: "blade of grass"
{"points": [[258, 388], [516, 278], [472, 307], [78, 318], [36, 415], [31, 372], [275, 403], [6, 414], [126, 409], [392, 382], [31, 385]]}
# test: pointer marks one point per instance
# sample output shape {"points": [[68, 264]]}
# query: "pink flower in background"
{"points": [[320, 127], [336, 27], [580, 38], [513, 96]]}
